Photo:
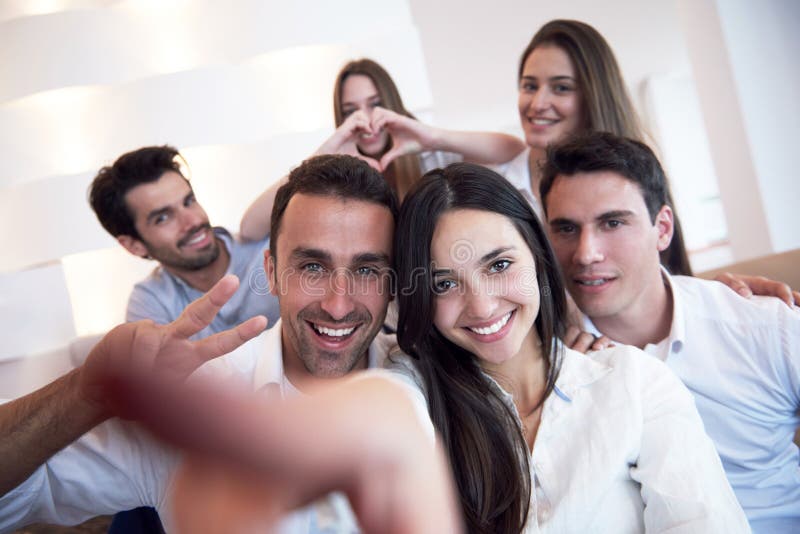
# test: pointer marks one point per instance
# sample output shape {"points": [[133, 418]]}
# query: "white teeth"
{"points": [[542, 122], [592, 282], [491, 329], [334, 332], [199, 237]]}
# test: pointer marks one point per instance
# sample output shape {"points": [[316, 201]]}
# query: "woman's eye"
{"points": [[560, 88], [499, 266], [347, 112], [443, 286]]}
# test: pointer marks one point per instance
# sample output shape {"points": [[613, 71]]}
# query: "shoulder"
{"points": [[712, 299], [627, 365]]}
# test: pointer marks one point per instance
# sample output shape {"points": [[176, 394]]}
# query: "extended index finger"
{"points": [[226, 341], [202, 311]]}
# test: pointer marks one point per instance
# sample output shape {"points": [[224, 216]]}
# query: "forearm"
{"points": [[256, 220], [478, 147], [35, 427]]}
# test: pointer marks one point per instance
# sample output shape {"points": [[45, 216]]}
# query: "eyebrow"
{"points": [[614, 214], [552, 78], [301, 254], [486, 258], [371, 257]]}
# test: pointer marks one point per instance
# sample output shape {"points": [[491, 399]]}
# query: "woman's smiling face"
{"points": [[550, 101], [487, 295]]}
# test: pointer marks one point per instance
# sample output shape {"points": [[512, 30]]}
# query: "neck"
{"points": [[646, 321], [524, 375], [205, 278]]}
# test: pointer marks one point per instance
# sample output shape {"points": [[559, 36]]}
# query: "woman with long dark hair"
{"points": [[540, 438]]}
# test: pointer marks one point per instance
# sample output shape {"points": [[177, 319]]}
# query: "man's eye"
{"points": [[313, 268], [189, 201], [564, 229], [443, 286], [160, 218], [366, 271], [499, 266], [613, 223]]}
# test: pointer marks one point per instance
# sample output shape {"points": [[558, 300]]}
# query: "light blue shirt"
{"points": [[740, 358], [163, 296]]}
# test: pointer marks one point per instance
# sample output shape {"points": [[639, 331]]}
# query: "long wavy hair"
{"points": [[405, 170], [480, 432], [607, 104]]}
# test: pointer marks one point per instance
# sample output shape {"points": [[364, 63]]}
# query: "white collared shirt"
{"points": [[117, 466], [621, 448], [740, 358]]}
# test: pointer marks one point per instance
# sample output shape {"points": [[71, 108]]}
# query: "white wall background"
{"points": [[244, 88]]}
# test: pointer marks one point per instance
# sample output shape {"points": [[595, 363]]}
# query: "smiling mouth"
{"points": [[195, 236], [594, 282], [492, 328], [543, 122], [333, 334]]}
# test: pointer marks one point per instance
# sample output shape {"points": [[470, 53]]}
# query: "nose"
{"points": [[481, 301], [540, 100], [589, 249], [191, 217], [338, 299]]}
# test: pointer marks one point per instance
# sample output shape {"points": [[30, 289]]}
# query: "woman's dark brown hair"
{"points": [[480, 432]]}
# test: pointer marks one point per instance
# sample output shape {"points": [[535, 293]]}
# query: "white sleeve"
{"points": [[412, 390], [117, 466], [683, 484]]}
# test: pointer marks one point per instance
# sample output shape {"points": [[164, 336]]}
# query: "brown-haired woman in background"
{"points": [[373, 124], [569, 83]]}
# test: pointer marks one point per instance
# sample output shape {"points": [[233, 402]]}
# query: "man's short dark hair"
{"points": [[338, 176], [112, 183], [602, 151]]}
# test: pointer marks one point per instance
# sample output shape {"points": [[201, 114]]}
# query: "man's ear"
{"points": [[665, 224], [271, 270], [133, 245]]}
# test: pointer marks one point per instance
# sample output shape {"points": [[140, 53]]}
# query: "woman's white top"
{"points": [[620, 448]]}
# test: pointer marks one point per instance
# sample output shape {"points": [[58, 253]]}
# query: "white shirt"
{"points": [[740, 358], [117, 466], [620, 448], [518, 174]]}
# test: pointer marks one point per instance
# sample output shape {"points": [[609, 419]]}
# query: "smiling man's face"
{"points": [[331, 277]]}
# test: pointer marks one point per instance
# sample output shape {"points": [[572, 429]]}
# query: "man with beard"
{"points": [[145, 202], [329, 266]]}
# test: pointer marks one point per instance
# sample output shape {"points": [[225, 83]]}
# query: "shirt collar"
{"points": [[676, 339]]}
